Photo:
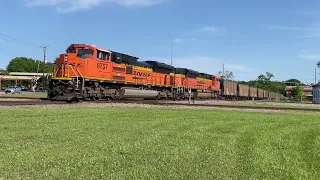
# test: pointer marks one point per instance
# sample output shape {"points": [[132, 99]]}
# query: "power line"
{"points": [[16, 41]]}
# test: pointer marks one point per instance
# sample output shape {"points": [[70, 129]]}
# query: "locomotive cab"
{"points": [[77, 61]]}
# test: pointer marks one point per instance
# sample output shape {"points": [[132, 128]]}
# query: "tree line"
{"points": [[23, 64]]}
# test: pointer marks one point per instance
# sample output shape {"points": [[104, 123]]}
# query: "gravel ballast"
{"points": [[217, 102], [131, 105]]}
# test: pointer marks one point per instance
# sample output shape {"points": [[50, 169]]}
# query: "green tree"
{"points": [[264, 81], [23, 64], [297, 93], [228, 75], [3, 71], [318, 64], [293, 82], [266, 77]]}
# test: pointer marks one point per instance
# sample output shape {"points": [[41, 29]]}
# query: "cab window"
{"points": [[103, 55], [84, 53], [71, 51]]}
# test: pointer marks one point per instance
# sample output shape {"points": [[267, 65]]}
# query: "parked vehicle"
{"points": [[13, 90], [24, 88]]}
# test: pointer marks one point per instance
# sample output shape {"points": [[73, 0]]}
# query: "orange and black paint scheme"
{"points": [[87, 72]]}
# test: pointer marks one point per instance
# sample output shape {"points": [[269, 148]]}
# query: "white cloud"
{"points": [[65, 6], [210, 28], [238, 67], [213, 29], [177, 40], [310, 12], [288, 28], [309, 56], [312, 30]]}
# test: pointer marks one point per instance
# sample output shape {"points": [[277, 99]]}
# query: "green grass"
{"points": [[133, 143], [26, 95], [278, 106]]}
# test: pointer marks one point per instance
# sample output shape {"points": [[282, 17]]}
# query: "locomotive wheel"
{"points": [[178, 98]]}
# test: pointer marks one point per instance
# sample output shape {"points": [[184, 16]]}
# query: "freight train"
{"points": [[87, 72]]}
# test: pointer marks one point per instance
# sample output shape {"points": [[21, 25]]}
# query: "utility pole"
{"points": [[44, 63], [315, 76], [171, 45], [223, 70]]}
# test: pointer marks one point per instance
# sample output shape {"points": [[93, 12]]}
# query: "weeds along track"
{"points": [[30, 102]]}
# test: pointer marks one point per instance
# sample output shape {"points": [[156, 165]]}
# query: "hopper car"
{"points": [[88, 72]]}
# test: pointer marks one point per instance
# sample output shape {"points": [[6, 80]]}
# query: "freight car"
{"points": [[243, 91], [229, 89], [265, 94], [87, 72]]}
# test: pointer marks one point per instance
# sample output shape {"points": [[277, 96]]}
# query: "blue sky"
{"points": [[250, 37]]}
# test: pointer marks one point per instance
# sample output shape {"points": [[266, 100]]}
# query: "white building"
{"points": [[316, 93]]}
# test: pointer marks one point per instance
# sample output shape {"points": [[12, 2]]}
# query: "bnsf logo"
{"points": [[199, 83], [102, 66], [143, 74]]}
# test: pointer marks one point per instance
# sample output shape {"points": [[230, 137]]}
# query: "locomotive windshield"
{"points": [[71, 51], [84, 52]]}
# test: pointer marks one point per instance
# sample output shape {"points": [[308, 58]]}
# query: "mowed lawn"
{"points": [[288, 105], [136, 143], [26, 95]]}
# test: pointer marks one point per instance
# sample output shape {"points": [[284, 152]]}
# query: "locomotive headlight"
{"points": [[66, 58]]}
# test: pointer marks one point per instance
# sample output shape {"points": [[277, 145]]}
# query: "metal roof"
{"points": [[305, 88], [28, 74], [29, 78], [316, 85]]}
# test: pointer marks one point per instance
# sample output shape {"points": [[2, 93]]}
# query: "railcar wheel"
{"points": [[94, 98], [73, 101]]}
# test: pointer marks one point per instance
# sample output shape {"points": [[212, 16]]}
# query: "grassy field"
{"points": [[278, 106], [133, 143], [25, 95]]}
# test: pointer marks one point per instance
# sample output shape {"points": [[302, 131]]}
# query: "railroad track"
{"points": [[154, 102]]}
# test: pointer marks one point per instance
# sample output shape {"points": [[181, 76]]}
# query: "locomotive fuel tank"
{"points": [[204, 95], [138, 93]]}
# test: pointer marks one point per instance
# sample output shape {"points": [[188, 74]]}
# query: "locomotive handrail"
{"points": [[56, 71], [75, 74], [79, 73]]}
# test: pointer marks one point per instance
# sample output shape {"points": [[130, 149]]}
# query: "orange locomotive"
{"points": [[92, 73]]}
